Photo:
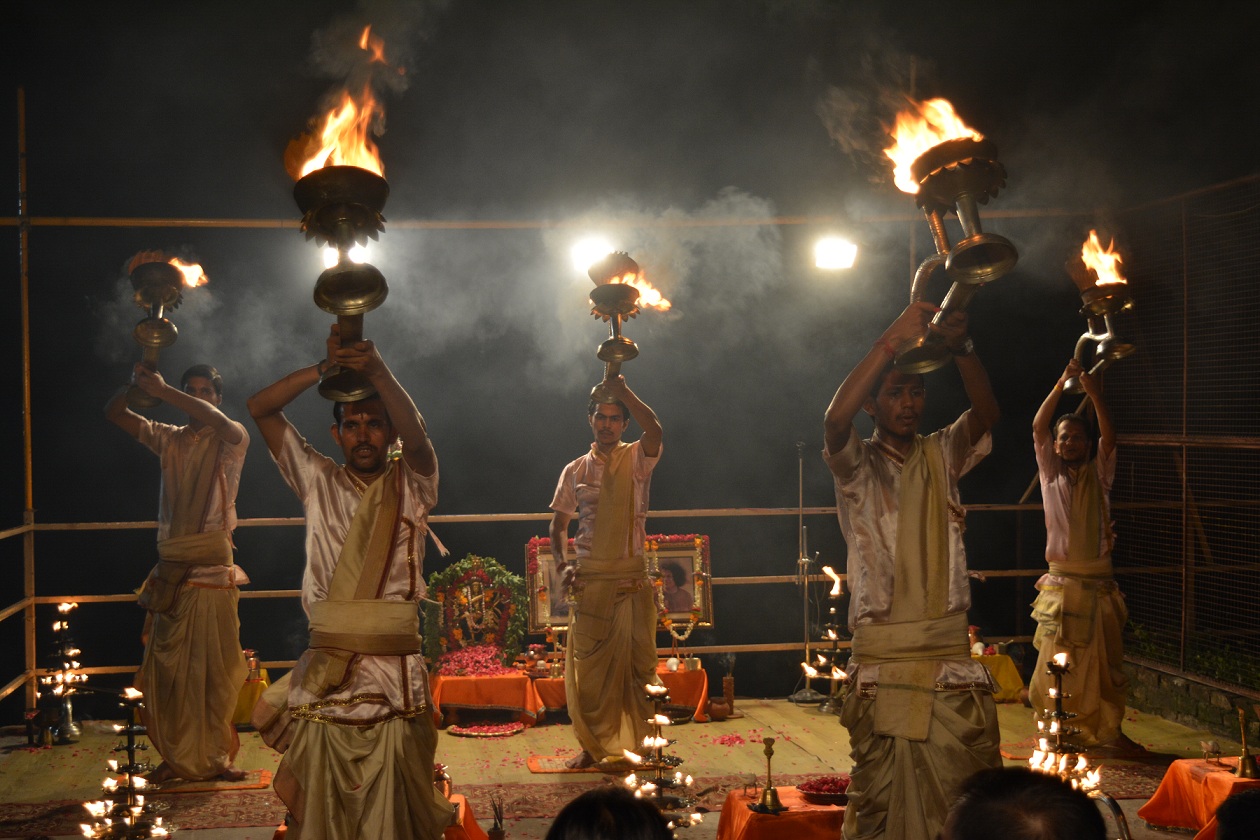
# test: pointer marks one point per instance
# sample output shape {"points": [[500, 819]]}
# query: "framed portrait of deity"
{"points": [[678, 568]]}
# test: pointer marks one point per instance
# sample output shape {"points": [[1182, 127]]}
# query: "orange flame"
{"points": [[649, 296], [193, 275], [372, 44], [1106, 264], [929, 124], [342, 139]]}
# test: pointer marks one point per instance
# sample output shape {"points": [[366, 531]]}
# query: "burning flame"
{"points": [[929, 124], [835, 588], [342, 139], [193, 275], [372, 44], [649, 296], [1106, 264]]}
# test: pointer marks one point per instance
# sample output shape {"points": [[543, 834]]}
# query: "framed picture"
{"points": [[678, 564]]}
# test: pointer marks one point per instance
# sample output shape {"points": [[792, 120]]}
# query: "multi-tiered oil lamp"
{"points": [[63, 679], [655, 777], [123, 812], [615, 299], [1057, 756], [827, 664], [1104, 293], [948, 167]]}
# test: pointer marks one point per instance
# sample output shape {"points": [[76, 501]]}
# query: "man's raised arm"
{"points": [[641, 412], [856, 387], [1106, 431], [267, 406], [363, 357]]}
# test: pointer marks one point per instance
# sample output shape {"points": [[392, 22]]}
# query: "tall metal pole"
{"points": [[28, 513]]}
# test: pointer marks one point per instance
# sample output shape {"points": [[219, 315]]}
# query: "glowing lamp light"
{"points": [[835, 581], [833, 253], [586, 252]]}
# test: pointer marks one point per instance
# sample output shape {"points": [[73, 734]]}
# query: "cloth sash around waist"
{"points": [[381, 628], [907, 653], [618, 568], [211, 548], [1080, 598], [910, 641]]}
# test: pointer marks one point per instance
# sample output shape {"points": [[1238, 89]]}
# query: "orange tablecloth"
{"points": [[686, 688], [804, 821], [510, 692], [1005, 674], [1190, 793]]}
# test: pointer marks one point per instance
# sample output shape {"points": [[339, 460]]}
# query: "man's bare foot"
{"points": [[233, 774], [580, 761], [163, 773]]}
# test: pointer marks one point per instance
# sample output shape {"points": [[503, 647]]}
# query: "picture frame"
{"points": [[685, 598]]}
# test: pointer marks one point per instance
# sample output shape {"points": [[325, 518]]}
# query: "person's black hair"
{"points": [[594, 404], [883, 374], [677, 572], [610, 813], [205, 372], [1016, 803], [1238, 817], [339, 409], [1072, 417]]}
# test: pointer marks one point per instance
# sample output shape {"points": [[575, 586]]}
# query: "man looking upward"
{"points": [[353, 718], [193, 665], [920, 716], [1079, 609], [612, 629]]}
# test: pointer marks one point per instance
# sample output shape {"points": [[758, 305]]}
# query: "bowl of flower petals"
{"points": [[826, 790], [487, 730]]}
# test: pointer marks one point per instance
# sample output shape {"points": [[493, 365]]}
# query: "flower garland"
{"points": [[475, 602], [699, 578]]}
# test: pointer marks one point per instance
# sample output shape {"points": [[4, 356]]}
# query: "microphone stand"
{"points": [[806, 694]]}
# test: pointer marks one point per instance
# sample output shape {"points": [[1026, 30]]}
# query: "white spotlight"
{"points": [[834, 252], [585, 252]]}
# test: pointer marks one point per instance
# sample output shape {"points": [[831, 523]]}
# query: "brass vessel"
{"points": [[158, 289], [614, 302]]}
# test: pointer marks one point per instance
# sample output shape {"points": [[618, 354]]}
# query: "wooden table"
{"points": [[802, 820], [1191, 791], [686, 688]]}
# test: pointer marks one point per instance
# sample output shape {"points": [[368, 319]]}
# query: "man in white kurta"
{"points": [[193, 666], [920, 712], [353, 718], [612, 629], [1079, 610]]}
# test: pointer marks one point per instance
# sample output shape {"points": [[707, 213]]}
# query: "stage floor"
{"points": [[807, 743]]}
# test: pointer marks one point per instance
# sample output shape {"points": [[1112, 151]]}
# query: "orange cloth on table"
{"points": [[511, 692], [1005, 675], [805, 821], [1190, 793], [687, 688], [551, 693], [467, 827]]}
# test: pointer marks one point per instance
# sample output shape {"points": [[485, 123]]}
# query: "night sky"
{"points": [[646, 122]]}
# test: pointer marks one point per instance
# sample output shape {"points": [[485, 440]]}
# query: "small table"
{"points": [[509, 692], [1009, 683], [1191, 791], [686, 688], [464, 828], [803, 820]]}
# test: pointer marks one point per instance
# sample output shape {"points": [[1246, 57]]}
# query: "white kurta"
{"points": [[382, 686], [577, 494]]}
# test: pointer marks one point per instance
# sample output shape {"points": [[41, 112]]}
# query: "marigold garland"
{"points": [[442, 631], [699, 578]]}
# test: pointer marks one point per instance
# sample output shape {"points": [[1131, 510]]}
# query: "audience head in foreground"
{"points": [[1015, 803], [1238, 817], [610, 813]]}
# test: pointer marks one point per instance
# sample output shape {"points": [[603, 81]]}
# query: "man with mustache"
{"points": [[193, 665], [1079, 609], [612, 632], [354, 717], [920, 715]]}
